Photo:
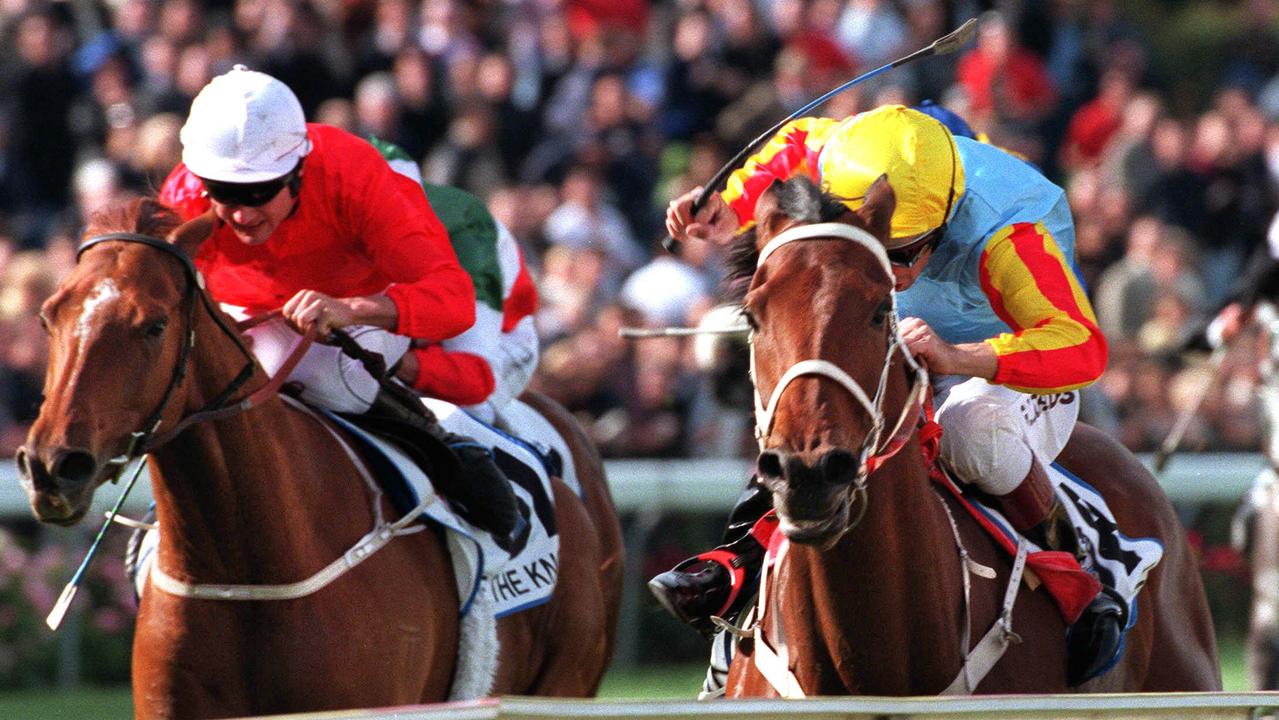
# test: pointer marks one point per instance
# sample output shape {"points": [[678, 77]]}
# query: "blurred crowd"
{"points": [[577, 120]]}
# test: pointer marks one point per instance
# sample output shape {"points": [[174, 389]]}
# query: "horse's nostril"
{"points": [[23, 461], [838, 466], [769, 464], [75, 466]]}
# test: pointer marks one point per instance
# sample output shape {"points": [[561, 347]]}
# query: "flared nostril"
{"points": [[769, 464], [23, 460], [838, 466], [75, 467]]}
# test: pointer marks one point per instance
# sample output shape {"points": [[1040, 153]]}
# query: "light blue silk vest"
{"points": [[1000, 190]]}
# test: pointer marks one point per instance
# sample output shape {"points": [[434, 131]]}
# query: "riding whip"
{"points": [[59, 610], [636, 333], [1170, 443], [943, 45]]}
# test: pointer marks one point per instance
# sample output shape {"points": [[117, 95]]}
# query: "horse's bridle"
{"points": [[144, 441], [872, 453]]}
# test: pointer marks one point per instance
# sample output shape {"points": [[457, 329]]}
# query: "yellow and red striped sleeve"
{"points": [[790, 152], [1055, 344]]}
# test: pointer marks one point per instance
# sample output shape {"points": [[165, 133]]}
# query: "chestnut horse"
{"points": [[868, 592], [266, 496]]}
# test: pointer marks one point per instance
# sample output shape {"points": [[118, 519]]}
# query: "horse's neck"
{"points": [[242, 495], [889, 590]]}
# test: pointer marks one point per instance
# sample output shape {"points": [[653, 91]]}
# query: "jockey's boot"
{"points": [[719, 582], [478, 491], [1093, 642]]}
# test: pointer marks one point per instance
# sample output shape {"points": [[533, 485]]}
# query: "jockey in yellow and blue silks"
{"points": [[982, 250]]}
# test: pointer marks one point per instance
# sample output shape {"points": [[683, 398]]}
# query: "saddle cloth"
{"points": [[511, 583], [1120, 562]]}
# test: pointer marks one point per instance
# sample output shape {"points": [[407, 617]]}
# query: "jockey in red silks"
{"points": [[311, 219], [982, 249]]}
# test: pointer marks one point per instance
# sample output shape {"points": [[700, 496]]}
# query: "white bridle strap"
{"points": [[824, 368], [823, 231]]}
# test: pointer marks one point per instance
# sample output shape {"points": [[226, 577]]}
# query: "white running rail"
{"points": [[1170, 706]]}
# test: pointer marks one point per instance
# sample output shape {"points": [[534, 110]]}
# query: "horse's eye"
{"points": [[156, 329], [44, 321], [750, 319], [881, 312]]}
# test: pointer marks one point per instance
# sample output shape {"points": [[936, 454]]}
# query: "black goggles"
{"points": [[907, 255], [248, 194]]}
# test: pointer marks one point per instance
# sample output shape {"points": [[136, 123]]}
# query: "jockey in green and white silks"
{"points": [[487, 366]]}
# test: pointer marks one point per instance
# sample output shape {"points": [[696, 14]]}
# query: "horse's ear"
{"points": [[188, 236], [877, 211], [768, 216]]}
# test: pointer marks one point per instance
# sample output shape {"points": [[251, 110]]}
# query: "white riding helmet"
{"points": [[245, 127]]}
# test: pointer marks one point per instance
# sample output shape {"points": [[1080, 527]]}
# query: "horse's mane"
{"points": [[145, 216], [800, 199]]}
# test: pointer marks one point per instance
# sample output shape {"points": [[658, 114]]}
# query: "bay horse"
{"points": [[266, 496], [868, 590]]}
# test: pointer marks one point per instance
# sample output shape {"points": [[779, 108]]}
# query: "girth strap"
{"points": [[364, 548]]}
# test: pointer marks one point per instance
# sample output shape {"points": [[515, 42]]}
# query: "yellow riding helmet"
{"points": [[917, 153]]}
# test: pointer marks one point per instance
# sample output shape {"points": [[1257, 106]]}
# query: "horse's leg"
{"points": [[744, 679], [1263, 630], [186, 664], [1172, 646], [601, 512], [560, 648]]}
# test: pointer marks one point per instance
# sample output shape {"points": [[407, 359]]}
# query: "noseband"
{"points": [[873, 453], [144, 441]]}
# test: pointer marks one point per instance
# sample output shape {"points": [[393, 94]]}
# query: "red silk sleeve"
{"points": [[458, 377]]}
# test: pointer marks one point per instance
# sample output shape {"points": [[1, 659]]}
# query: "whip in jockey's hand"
{"points": [[1228, 324]]}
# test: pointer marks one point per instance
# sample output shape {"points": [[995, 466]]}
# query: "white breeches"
{"points": [[512, 361], [329, 379], [333, 381], [991, 433]]}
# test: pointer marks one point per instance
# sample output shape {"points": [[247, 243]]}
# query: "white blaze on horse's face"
{"points": [[103, 296]]}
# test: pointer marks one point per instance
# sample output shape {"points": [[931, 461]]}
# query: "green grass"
{"points": [[79, 704], [656, 682], [647, 683]]}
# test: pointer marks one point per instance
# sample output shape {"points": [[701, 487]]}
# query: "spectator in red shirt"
{"points": [[1094, 124], [1004, 81], [312, 219]]}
